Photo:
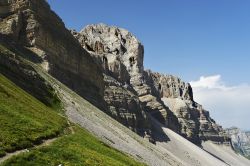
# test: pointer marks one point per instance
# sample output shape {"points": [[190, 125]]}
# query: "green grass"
{"points": [[24, 121], [16, 68], [76, 149]]}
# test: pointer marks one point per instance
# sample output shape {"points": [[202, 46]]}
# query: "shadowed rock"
{"points": [[32, 24]]}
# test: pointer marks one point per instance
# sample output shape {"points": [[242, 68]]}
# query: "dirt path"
{"points": [[45, 143], [9, 155]]}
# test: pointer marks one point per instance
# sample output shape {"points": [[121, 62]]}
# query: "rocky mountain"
{"points": [[164, 97], [104, 65], [42, 32], [240, 140]]}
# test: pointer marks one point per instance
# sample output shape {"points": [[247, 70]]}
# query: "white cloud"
{"points": [[228, 105]]}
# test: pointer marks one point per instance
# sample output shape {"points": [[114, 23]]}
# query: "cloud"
{"points": [[228, 105]]}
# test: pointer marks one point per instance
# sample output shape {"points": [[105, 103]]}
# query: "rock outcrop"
{"points": [[240, 140], [196, 123], [121, 56], [33, 25], [166, 98], [105, 65], [24, 75], [124, 105]]}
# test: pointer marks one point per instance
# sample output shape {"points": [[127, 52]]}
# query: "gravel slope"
{"points": [[172, 150], [226, 154]]}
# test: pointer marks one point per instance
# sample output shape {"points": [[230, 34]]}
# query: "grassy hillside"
{"points": [[76, 149], [25, 121]]}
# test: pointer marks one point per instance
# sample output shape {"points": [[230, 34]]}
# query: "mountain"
{"points": [[42, 32], [240, 140], [165, 97], [62, 83]]}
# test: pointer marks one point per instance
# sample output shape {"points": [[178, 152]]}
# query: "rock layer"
{"points": [[35, 26], [166, 98], [196, 123], [126, 91], [121, 56], [15, 68]]}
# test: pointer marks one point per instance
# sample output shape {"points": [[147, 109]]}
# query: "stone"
{"points": [[171, 87], [124, 106], [104, 64], [25, 76], [240, 140], [12, 25], [164, 97], [116, 47], [33, 25], [196, 123], [121, 56]]}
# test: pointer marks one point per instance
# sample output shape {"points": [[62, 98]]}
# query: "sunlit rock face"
{"points": [[105, 65], [118, 49], [33, 25], [196, 123], [121, 56], [165, 97]]}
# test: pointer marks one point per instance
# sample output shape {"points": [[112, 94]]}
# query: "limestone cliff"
{"points": [[22, 74], [166, 98], [121, 56], [196, 123], [104, 64], [33, 25]]}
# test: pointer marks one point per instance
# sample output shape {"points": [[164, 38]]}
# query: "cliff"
{"points": [[196, 123], [166, 98], [34, 26], [105, 65]]}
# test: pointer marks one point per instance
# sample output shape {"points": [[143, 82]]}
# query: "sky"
{"points": [[205, 42]]}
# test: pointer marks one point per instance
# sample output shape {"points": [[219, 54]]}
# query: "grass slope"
{"points": [[25, 121], [76, 149]]}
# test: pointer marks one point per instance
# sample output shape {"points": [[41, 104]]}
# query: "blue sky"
{"points": [[187, 38]]}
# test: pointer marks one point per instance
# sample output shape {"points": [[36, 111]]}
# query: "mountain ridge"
{"points": [[104, 65], [118, 52]]}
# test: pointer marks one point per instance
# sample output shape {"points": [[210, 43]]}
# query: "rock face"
{"points": [[196, 123], [121, 56], [35, 26], [119, 50], [22, 74], [124, 106], [104, 64], [240, 140], [166, 98]]}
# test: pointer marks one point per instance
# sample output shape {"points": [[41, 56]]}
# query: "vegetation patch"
{"points": [[80, 148], [24, 120]]}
